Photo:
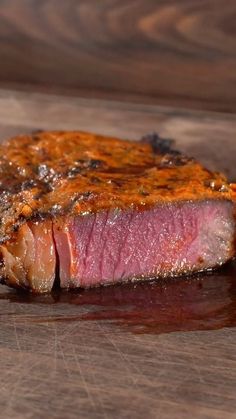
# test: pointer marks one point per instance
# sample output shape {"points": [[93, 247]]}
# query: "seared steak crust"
{"points": [[54, 175]]}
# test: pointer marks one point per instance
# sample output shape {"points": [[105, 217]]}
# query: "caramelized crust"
{"points": [[58, 173]]}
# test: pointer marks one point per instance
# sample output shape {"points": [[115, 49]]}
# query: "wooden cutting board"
{"points": [[80, 356]]}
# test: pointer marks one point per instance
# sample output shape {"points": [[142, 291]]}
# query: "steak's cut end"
{"points": [[29, 260], [168, 240]]}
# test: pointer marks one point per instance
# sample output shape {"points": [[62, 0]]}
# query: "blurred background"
{"points": [[172, 52]]}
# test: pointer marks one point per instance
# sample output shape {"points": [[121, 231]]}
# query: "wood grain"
{"points": [[93, 369], [179, 52]]}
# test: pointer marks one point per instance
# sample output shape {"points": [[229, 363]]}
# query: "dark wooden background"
{"points": [[178, 52]]}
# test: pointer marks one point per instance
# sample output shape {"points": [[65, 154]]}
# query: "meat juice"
{"points": [[205, 301]]}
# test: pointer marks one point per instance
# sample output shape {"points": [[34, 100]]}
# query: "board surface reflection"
{"points": [[202, 302]]}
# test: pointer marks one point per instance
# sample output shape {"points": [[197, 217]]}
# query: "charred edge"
{"points": [[37, 131], [58, 210], [46, 177], [56, 284], [40, 216], [81, 166], [4, 239], [174, 160], [160, 145]]}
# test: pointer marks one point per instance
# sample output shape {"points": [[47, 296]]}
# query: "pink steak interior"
{"points": [[117, 245], [114, 246]]}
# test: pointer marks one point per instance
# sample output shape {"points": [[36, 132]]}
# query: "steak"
{"points": [[89, 210]]}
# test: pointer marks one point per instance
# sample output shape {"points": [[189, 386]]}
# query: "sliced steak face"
{"points": [[171, 239], [29, 261], [100, 210]]}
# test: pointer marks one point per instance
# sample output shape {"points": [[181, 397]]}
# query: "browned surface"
{"points": [[65, 173], [181, 52], [100, 370]]}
